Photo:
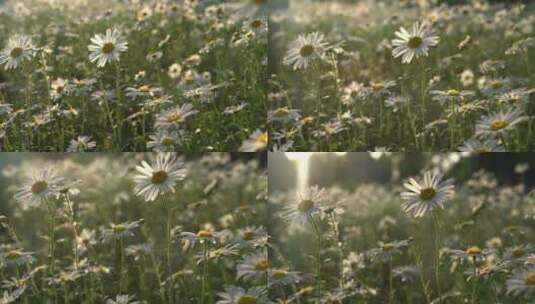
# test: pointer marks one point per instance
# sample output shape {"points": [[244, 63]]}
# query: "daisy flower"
{"points": [[81, 144], [352, 92], [386, 250], [450, 95], [396, 103], [122, 299], [498, 123], [481, 146], [174, 71], [107, 48], [283, 277], [283, 115], [518, 97], [253, 266], [60, 87], [426, 195], [119, 231], [174, 116], [522, 283], [15, 257], [413, 44], [164, 141], [238, 295], [218, 253], [202, 236], [256, 142], [305, 206], [159, 177], [305, 50], [18, 49], [39, 187], [470, 254]]}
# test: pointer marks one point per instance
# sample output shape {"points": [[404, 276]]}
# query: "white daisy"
{"points": [[481, 146], [106, 48], [305, 206], [253, 266], [522, 283], [500, 122], [39, 187], [427, 195], [18, 49], [415, 43], [305, 49], [158, 178], [81, 144], [164, 141], [256, 142], [173, 117], [238, 295]]}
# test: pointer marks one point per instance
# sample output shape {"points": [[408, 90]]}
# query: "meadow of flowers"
{"points": [[132, 75], [426, 75], [133, 228], [450, 234]]}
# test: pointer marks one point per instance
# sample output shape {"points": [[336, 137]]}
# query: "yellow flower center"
{"points": [[168, 141], [518, 252], [256, 23], [498, 124], [262, 138], [144, 89], [280, 274], [159, 177], [173, 117], [262, 264], [218, 252], [107, 48], [473, 250], [119, 228], [281, 112], [427, 193], [496, 84], [530, 278], [453, 92], [415, 42], [38, 187], [377, 86], [204, 234], [13, 255], [16, 52], [305, 205], [388, 246], [249, 235], [306, 50], [247, 299]]}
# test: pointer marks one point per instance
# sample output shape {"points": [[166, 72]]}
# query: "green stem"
{"points": [[390, 282], [437, 256], [318, 257], [204, 270]]}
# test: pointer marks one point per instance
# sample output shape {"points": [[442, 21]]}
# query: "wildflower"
{"points": [[426, 195], [396, 102], [60, 87], [122, 299], [18, 49], [450, 95], [352, 92], [413, 44], [220, 252], [41, 186], [306, 205], [202, 236], [238, 295], [379, 88], [471, 254], [85, 240], [386, 250], [164, 141], [250, 235], [497, 86], [517, 97], [138, 251], [256, 142], [15, 257], [467, 78], [481, 146], [81, 144], [522, 283], [119, 231], [174, 71], [174, 116], [158, 178], [107, 48], [283, 277], [499, 123], [305, 50], [143, 91], [253, 266], [283, 115]]}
